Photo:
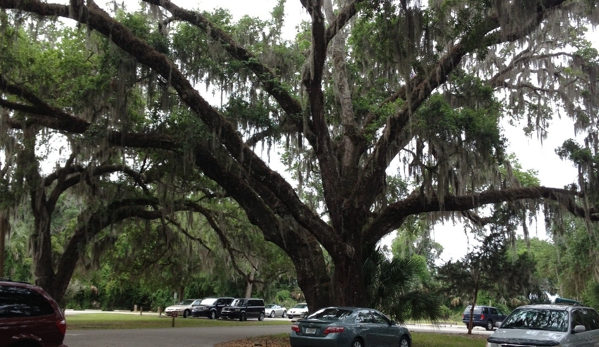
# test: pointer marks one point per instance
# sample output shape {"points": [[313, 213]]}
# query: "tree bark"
{"points": [[4, 231]]}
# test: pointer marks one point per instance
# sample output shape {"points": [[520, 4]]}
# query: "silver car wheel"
{"points": [[272, 314], [404, 342]]}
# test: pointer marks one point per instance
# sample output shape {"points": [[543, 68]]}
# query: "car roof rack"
{"points": [[564, 301]]}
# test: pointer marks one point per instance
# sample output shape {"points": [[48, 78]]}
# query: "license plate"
{"points": [[310, 330]]}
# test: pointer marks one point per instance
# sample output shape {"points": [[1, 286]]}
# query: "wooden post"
{"points": [[141, 308], [174, 315]]}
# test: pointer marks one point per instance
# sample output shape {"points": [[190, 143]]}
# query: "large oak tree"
{"points": [[387, 109]]}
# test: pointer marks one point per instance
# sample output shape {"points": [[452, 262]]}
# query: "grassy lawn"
{"points": [[87, 321]]}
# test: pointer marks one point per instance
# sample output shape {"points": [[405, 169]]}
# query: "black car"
{"points": [[483, 316], [210, 307], [29, 316], [244, 308]]}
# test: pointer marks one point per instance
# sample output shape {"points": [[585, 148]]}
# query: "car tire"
{"points": [[284, 314], [272, 314], [357, 342], [261, 316], [404, 341], [185, 313], [213, 315], [242, 316], [489, 325]]}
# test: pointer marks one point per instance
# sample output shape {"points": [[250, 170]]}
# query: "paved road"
{"points": [[177, 337], [204, 336]]}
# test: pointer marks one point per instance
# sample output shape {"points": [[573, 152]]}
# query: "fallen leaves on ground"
{"points": [[261, 341]]}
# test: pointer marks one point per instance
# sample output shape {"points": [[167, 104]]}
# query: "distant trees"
{"points": [[490, 268]]}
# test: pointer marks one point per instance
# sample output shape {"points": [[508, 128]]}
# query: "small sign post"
{"points": [[174, 314]]}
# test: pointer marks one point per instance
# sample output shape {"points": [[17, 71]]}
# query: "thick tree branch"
{"points": [[395, 136], [389, 218], [270, 81]]}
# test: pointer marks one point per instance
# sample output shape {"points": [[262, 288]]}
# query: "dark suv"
{"points": [[484, 316], [244, 308], [210, 307], [29, 316]]}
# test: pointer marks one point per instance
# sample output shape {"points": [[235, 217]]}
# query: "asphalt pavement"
{"points": [[204, 336], [179, 337]]}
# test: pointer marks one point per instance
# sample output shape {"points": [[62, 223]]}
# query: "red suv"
{"points": [[29, 316]]}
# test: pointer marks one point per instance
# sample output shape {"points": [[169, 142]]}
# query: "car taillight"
{"points": [[482, 317], [463, 316], [295, 328], [62, 326], [332, 330]]}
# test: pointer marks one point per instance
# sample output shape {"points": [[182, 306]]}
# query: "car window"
{"points": [[186, 302], [364, 317], [576, 319], [537, 319], [379, 318], [477, 310], [208, 301], [270, 306], [590, 318], [493, 311], [331, 313], [23, 302], [301, 306], [485, 310], [239, 302]]}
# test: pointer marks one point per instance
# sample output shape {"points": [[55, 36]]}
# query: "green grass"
{"points": [[89, 321]]}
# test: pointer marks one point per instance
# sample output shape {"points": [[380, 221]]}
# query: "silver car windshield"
{"points": [[301, 306], [186, 302], [537, 319]]}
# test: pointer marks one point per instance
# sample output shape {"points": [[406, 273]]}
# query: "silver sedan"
{"points": [[274, 310]]}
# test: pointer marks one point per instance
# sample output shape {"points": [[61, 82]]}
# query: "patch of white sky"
{"points": [[532, 153]]}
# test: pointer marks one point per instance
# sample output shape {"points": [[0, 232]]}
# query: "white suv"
{"points": [[548, 325], [299, 310]]}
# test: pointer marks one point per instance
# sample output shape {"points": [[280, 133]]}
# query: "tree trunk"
{"points": [[4, 230], [250, 284], [471, 321], [42, 255], [348, 280]]}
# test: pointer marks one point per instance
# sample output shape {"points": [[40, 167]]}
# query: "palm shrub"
{"points": [[401, 287]]}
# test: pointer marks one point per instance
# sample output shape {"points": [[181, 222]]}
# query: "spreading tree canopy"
{"points": [[384, 110]]}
